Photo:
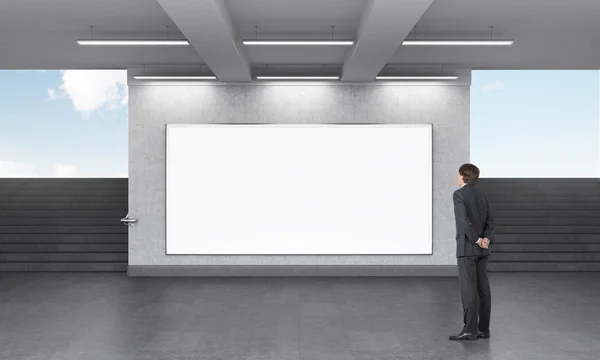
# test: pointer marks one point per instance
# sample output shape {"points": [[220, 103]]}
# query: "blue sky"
{"points": [[63, 123], [536, 123], [73, 123]]}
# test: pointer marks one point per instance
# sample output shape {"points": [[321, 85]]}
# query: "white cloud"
{"points": [[113, 107], [91, 90], [13, 169], [63, 171], [125, 99], [41, 71], [52, 94], [498, 85]]}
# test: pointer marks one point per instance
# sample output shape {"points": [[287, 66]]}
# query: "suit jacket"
{"points": [[473, 221]]}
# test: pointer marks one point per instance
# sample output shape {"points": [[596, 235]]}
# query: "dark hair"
{"points": [[469, 173]]}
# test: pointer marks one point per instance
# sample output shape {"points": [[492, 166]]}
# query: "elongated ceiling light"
{"points": [[174, 77], [116, 42], [422, 77], [299, 42], [448, 42], [133, 42], [306, 42], [297, 78], [457, 42]]}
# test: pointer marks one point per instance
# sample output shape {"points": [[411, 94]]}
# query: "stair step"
{"points": [[545, 213], [516, 190], [548, 229], [60, 248], [542, 198], [121, 206], [552, 183], [116, 229], [528, 195], [88, 183], [65, 267], [65, 221], [575, 247], [544, 206], [74, 192], [537, 188], [63, 257], [63, 238], [66, 198], [520, 186], [27, 213], [546, 238], [547, 257], [533, 221], [544, 266], [536, 181]]}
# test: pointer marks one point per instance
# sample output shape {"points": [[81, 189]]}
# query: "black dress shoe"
{"points": [[464, 336], [483, 334]]}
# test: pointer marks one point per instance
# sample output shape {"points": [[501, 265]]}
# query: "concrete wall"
{"points": [[153, 106]]}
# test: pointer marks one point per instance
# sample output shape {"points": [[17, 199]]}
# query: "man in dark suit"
{"points": [[474, 233]]}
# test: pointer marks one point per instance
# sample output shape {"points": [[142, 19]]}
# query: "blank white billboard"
{"points": [[299, 189]]}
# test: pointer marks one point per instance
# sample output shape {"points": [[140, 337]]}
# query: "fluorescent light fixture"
{"points": [[299, 42], [174, 77], [422, 77], [457, 42], [297, 78], [134, 42]]}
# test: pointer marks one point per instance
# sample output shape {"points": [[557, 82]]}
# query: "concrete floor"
{"points": [[548, 316]]}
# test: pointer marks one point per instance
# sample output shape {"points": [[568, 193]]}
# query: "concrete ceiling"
{"points": [[548, 34], [42, 34], [383, 27]]}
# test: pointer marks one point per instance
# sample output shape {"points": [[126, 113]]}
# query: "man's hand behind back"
{"points": [[483, 243]]}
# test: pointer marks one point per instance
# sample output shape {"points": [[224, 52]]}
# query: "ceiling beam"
{"points": [[208, 27], [383, 27]]}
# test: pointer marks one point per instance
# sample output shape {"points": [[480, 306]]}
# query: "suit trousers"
{"points": [[475, 293]]}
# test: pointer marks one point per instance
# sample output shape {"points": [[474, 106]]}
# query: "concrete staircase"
{"points": [[545, 224], [73, 224], [63, 225]]}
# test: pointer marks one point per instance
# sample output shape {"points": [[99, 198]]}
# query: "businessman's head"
{"points": [[468, 174]]}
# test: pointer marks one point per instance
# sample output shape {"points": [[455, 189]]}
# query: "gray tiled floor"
{"points": [[109, 316]]}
